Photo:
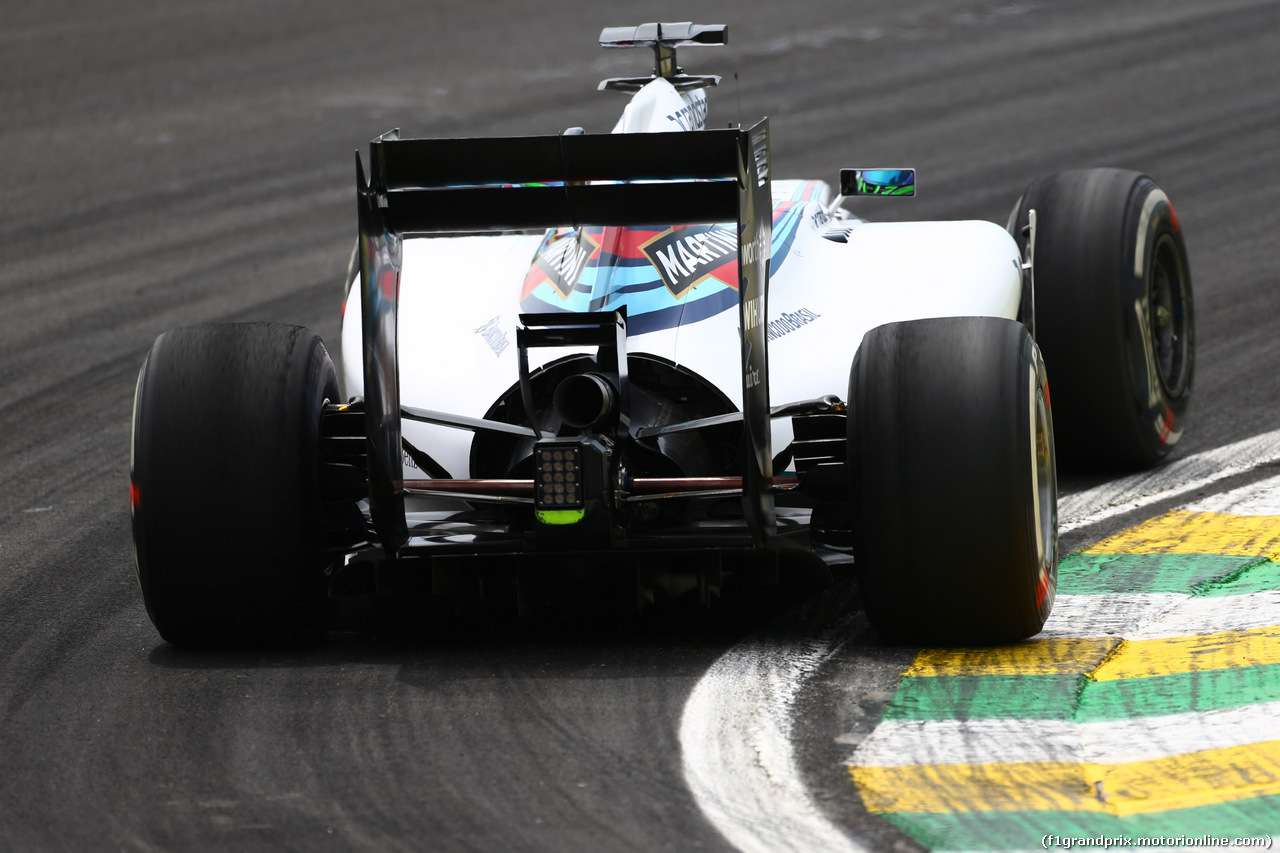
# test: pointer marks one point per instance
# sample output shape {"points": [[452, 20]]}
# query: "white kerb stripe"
{"points": [[1088, 617], [1176, 478], [1195, 616], [899, 743]]}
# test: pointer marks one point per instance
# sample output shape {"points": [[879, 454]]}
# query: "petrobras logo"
{"points": [[790, 321], [686, 256], [691, 117], [493, 336]]}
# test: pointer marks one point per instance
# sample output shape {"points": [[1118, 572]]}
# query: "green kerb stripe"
{"points": [[1250, 818], [980, 697], [1259, 577], [1097, 574], [1068, 697]]}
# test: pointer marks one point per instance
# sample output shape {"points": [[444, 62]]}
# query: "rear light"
{"points": [[558, 481], [572, 481]]}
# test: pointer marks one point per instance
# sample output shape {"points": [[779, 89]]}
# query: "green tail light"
{"points": [[560, 516]]}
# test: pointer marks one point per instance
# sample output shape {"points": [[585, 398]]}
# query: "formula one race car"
{"points": [[638, 356]]}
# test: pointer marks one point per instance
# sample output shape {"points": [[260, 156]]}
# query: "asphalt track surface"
{"points": [[165, 164]]}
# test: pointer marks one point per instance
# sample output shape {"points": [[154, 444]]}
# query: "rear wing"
{"points": [[432, 186]]}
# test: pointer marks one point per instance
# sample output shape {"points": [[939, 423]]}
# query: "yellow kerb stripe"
{"points": [[1179, 782], [1198, 533], [1109, 659], [1032, 657], [1146, 658]]}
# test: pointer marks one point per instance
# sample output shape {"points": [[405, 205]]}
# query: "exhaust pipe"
{"points": [[585, 400]]}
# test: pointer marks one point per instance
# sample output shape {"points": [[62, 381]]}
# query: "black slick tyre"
{"points": [[954, 484], [1113, 314], [227, 518]]}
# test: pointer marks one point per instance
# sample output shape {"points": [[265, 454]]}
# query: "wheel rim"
{"points": [[1167, 305], [1044, 485]]}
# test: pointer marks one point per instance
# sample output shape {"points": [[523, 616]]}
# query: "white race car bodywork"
{"points": [[460, 300]]}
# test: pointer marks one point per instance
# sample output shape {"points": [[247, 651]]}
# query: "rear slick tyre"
{"points": [[954, 484], [227, 519], [1114, 315]]}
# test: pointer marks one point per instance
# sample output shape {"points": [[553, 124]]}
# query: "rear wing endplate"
{"points": [[431, 186]]}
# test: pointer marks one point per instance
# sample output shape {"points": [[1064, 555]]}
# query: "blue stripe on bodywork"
{"points": [[651, 307]]}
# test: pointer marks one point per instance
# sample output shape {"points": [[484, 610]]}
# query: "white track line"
{"points": [[1261, 498], [1168, 481], [736, 739]]}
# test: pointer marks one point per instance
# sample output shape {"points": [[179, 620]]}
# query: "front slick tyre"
{"points": [[226, 509], [954, 483]]}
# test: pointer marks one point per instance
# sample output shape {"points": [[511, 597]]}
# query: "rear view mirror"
{"points": [[854, 182]]}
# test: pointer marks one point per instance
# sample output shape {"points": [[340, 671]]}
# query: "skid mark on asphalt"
{"points": [[1149, 706]]}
